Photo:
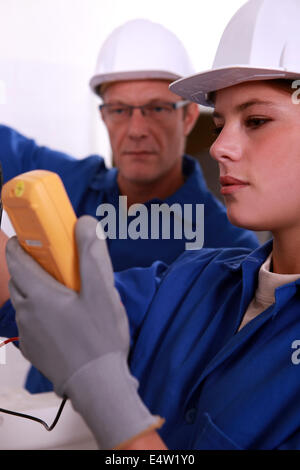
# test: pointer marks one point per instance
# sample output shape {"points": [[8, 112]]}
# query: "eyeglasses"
{"points": [[157, 111]]}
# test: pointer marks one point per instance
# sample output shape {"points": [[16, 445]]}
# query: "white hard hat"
{"points": [[261, 42], [141, 49]]}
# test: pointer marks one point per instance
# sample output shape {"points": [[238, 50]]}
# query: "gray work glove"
{"points": [[81, 341]]}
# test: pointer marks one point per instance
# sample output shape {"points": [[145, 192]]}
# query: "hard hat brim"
{"points": [[102, 79], [198, 87]]}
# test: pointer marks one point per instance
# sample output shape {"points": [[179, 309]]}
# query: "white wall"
{"points": [[48, 50]]}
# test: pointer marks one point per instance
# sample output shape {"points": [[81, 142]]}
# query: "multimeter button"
{"points": [[33, 243]]}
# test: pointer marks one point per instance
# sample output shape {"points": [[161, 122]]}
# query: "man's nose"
{"points": [[227, 146], [137, 125]]}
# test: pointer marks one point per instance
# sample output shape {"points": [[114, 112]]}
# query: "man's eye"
{"points": [[158, 108], [117, 110]]}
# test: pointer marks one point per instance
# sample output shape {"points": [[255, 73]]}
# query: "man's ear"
{"points": [[102, 115], [192, 112]]}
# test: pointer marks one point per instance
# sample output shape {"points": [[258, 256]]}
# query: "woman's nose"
{"points": [[227, 145]]}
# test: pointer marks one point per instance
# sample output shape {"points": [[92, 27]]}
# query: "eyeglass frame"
{"points": [[174, 105]]}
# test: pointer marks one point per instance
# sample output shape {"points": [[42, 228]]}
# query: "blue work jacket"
{"points": [[89, 183], [217, 387]]}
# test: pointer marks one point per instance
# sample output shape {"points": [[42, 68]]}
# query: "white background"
{"points": [[48, 50]]}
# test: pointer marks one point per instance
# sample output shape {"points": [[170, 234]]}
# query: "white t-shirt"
{"points": [[265, 292]]}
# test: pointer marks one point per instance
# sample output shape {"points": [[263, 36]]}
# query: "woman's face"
{"points": [[258, 151]]}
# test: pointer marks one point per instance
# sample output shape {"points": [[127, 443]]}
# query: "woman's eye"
{"points": [[217, 130], [256, 122]]}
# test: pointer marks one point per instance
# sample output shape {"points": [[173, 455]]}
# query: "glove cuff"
{"points": [[105, 393]]}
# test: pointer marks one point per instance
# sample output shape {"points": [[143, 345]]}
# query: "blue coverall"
{"points": [[217, 387]]}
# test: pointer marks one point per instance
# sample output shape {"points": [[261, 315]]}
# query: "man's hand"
{"points": [[81, 341]]}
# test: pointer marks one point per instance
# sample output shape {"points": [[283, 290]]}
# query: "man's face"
{"points": [[146, 148]]}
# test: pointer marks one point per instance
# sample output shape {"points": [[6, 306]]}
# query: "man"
{"points": [[147, 126]]}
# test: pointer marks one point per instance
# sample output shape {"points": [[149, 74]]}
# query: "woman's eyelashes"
{"points": [[255, 122], [251, 122]]}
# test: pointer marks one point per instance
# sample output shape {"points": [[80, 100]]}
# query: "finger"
{"points": [[85, 230], [94, 260], [15, 294], [26, 273], [18, 301]]}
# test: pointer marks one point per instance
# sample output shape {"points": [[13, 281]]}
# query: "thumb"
{"points": [[26, 273], [94, 260]]}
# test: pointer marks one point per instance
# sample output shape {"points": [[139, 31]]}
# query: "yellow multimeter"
{"points": [[41, 213]]}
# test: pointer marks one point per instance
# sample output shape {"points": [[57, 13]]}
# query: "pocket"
{"points": [[211, 437]]}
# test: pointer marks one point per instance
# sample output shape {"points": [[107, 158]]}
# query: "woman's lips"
{"points": [[229, 184]]}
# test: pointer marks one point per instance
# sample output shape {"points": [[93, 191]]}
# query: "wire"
{"points": [[9, 340], [38, 420], [33, 418]]}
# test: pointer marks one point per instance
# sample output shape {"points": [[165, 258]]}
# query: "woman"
{"points": [[213, 344]]}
